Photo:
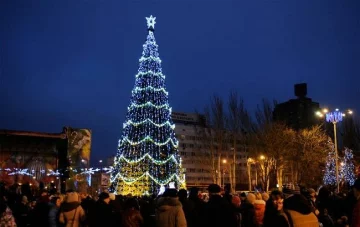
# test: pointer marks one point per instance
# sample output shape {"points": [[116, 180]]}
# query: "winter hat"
{"points": [[236, 200], [251, 198], [265, 196], [243, 195], [214, 188]]}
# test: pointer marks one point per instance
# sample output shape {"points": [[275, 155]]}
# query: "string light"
{"points": [[347, 169], [148, 138], [157, 162], [330, 171], [130, 122]]}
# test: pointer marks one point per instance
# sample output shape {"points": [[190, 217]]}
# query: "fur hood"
{"points": [[167, 203]]}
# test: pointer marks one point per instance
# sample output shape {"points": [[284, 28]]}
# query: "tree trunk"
{"points": [[279, 176], [249, 174], [219, 170], [233, 185]]}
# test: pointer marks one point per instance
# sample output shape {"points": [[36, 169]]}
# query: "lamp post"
{"points": [[334, 117]]}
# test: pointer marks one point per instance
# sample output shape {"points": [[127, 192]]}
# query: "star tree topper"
{"points": [[150, 22]]}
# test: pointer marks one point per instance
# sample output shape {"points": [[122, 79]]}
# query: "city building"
{"points": [[298, 113], [39, 157], [193, 151]]}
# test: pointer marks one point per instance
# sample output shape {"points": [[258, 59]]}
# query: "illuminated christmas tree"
{"points": [[147, 156], [330, 170], [347, 169]]}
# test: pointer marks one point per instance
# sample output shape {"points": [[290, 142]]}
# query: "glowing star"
{"points": [[150, 22]]}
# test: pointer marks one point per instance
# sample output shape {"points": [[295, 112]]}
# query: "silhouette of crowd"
{"points": [[292, 207]]}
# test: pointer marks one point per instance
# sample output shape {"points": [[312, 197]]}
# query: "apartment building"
{"points": [[194, 152]]}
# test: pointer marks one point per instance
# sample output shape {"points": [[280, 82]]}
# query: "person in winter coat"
{"points": [[355, 222], [71, 213], [103, 213], [169, 212], [274, 211], [259, 205], [132, 216], [300, 212], [55, 203], [218, 211], [248, 212]]}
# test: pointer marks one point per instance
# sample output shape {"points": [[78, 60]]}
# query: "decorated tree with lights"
{"points": [[347, 169], [330, 170], [147, 156]]}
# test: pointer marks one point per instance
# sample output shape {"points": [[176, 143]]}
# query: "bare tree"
{"points": [[238, 122], [310, 153], [214, 137]]}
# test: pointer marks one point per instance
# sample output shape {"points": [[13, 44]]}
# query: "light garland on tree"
{"points": [[148, 138], [160, 182], [347, 168], [150, 88], [152, 73], [148, 104], [157, 162], [147, 154], [330, 169], [130, 122]]}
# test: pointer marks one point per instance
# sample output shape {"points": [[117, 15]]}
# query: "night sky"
{"points": [[73, 62]]}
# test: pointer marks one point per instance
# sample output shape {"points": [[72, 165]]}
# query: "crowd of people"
{"points": [[291, 207]]}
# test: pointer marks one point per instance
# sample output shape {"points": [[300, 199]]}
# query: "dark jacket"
{"points": [[218, 212]]}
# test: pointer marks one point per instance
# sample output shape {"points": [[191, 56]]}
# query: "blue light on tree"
{"points": [[347, 169], [330, 169], [147, 156]]}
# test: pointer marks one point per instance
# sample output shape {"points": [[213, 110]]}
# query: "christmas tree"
{"points": [[330, 170], [147, 156], [347, 169]]}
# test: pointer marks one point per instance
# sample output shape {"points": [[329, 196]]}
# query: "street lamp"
{"points": [[334, 117], [100, 161]]}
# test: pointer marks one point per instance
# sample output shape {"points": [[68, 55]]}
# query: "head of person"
{"points": [[170, 192], [277, 199], [131, 203], [236, 201], [258, 196], [194, 192], [56, 201], [265, 196], [243, 196], [214, 189], [182, 194], [251, 198], [104, 196]]}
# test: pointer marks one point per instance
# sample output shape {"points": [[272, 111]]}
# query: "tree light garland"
{"points": [[347, 168], [130, 122]]}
